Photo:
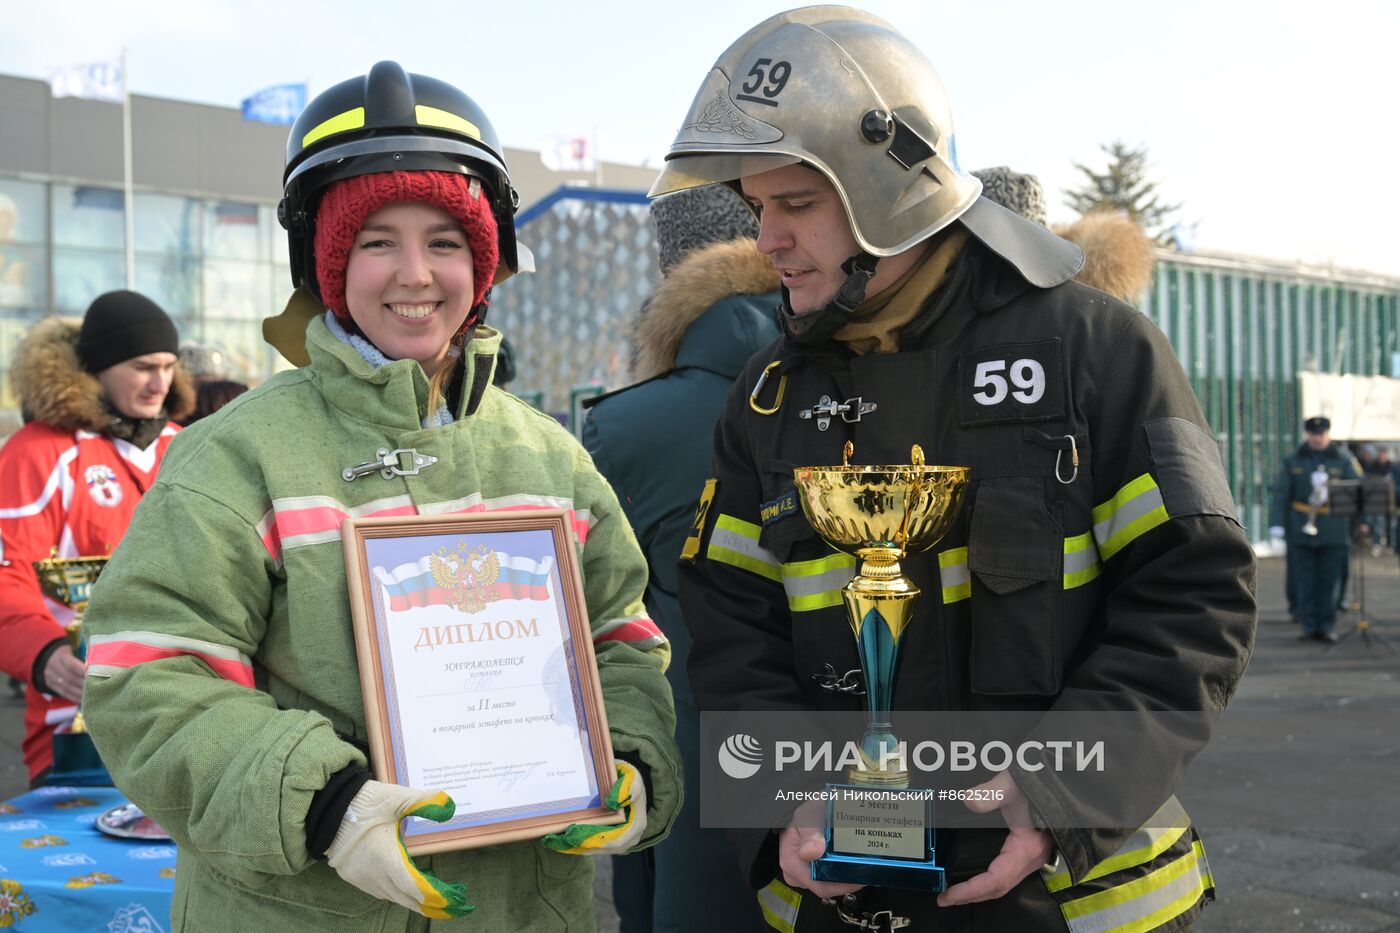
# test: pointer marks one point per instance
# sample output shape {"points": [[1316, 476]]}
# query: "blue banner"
{"points": [[277, 104]]}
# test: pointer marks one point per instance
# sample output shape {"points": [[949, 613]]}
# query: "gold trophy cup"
{"points": [[68, 581], [880, 514]]}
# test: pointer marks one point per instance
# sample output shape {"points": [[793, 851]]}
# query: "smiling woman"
{"points": [[409, 282], [408, 257], [399, 212]]}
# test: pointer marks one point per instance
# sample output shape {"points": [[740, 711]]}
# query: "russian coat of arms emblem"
{"points": [[467, 576]]}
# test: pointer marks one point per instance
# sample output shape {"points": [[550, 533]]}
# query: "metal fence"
{"points": [[1242, 328]]}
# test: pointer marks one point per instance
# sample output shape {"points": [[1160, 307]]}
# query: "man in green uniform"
{"points": [[1318, 541]]}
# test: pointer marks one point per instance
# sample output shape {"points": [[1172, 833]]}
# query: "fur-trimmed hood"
{"points": [[54, 388], [1118, 256], [698, 282]]}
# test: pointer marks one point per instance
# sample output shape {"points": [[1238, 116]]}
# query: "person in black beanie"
{"points": [[101, 393]]}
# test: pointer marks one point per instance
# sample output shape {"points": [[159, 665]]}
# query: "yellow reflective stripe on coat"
{"points": [[1081, 566], [1145, 903], [780, 905], [816, 584], [735, 542], [1164, 828], [954, 575], [1081, 560], [1133, 511]]}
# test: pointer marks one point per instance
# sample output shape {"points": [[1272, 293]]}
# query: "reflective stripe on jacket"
{"points": [[1123, 582]]}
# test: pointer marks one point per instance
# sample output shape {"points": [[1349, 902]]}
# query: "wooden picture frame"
{"points": [[478, 673]]}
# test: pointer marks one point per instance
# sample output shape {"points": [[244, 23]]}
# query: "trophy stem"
{"points": [[74, 631], [880, 602]]}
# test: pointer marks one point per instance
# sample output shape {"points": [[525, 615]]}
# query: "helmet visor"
{"points": [[695, 170]]}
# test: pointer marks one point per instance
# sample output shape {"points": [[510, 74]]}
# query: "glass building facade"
{"points": [[217, 266]]}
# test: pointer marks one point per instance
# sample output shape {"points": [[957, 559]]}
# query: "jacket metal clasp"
{"points": [[851, 411], [1074, 460], [849, 682], [880, 921], [758, 387], [388, 464]]}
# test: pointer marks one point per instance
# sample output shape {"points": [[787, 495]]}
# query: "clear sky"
{"points": [[1275, 123]]}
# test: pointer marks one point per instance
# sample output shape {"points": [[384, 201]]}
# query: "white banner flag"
{"points": [[1361, 408], [94, 81], [568, 154]]}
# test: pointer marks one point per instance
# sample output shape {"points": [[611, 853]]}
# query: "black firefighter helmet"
{"points": [[387, 121]]}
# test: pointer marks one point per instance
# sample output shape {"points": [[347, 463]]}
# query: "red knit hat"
{"points": [[349, 202]]}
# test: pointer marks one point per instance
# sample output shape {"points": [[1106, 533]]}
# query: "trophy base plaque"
{"points": [[76, 762], [880, 836]]}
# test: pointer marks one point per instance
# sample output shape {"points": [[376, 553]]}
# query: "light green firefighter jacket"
{"points": [[223, 689]]}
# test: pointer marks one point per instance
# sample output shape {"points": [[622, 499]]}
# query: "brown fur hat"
{"points": [[705, 276], [54, 388], [1118, 257]]}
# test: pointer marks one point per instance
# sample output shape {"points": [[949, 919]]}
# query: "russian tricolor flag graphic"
{"points": [[412, 585]]}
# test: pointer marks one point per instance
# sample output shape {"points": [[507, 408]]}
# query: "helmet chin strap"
{"points": [[819, 326], [477, 315]]}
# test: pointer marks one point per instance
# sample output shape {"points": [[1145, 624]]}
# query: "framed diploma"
{"points": [[478, 673]]}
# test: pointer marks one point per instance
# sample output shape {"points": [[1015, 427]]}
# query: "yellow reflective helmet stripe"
{"points": [[780, 905], [432, 116], [340, 123], [735, 542], [1133, 511], [816, 584], [1081, 560], [954, 575]]}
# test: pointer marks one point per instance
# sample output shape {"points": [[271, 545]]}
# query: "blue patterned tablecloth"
{"points": [[57, 872]]}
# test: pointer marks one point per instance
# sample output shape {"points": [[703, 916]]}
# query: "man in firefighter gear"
{"points": [[1318, 541], [1097, 564]]}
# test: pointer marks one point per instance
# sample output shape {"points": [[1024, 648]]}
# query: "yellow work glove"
{"points": [[368, 850], [628, 795]]}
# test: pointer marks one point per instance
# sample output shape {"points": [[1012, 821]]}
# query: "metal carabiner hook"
{"points": [[762, 381], [1074, 460]]}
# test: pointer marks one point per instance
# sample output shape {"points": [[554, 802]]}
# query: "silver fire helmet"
{"points": [[844, 93]]}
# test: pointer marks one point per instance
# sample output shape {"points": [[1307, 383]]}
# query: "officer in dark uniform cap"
{"points": [[1097, 564], [1318, 542]]}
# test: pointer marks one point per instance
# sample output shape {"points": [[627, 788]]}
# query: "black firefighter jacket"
{"points": [[1126, 584]]}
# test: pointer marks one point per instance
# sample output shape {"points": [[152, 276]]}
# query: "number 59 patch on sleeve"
{"points": [[1012, 382]]}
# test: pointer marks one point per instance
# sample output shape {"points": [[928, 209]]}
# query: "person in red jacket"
{"points": [[98, 397]]}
